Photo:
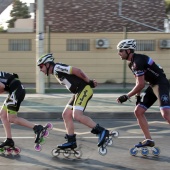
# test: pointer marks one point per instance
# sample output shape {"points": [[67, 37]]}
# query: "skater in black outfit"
{"points": [[10, 83], [145, 70]]}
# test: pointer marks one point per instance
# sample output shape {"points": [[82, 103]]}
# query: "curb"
{"points": [[33, 90], [93, 115]]}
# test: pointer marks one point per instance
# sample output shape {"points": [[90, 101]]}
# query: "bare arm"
{"points": [[140, 84], [2, 86], [79, 73]]}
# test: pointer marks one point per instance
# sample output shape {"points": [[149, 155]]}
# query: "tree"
{"points": [[2, 29], [167, 6], [20, 10]]}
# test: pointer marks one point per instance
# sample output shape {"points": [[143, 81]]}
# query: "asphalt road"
{"points": [[117, 157]]}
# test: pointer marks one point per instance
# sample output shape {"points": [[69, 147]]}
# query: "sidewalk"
{"points": [[103, 104], [101, 88]]}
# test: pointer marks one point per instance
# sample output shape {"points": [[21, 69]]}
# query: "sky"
{"points": [[5, 16]]}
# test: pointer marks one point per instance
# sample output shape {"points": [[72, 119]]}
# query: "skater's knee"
{"points": [[66, 115], [138, 113], [166, 117], [3, 114]]}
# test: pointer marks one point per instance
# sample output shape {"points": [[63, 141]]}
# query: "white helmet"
{"points": [[47, 58], [127, 44]]}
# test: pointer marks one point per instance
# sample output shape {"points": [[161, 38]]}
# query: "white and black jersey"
{"points": [[63, 74]]}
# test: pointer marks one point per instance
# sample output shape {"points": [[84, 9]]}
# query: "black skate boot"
{"points": [[7, 143], [71, 142], [38, 129], [7, 146], [101, 132]]}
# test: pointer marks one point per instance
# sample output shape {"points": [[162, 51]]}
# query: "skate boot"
{"points": [[41, 132], [101, 133], [144, 147], [7, 143], [71, 142], [68, 148], [38, 129], [7, 147], [146, 142]]}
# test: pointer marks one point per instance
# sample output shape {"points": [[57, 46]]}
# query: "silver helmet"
{"points": [[45, 59], [127, 44]]}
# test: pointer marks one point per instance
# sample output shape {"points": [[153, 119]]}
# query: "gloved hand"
{"points": [[122, 99], [92, 83], [15, 75], [138, 99]]}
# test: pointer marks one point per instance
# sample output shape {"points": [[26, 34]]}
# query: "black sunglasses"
{"points": [[121, 50], [41, 66]]}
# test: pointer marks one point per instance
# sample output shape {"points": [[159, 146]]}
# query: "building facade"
{"points": [[83, 50], [84, 33]]}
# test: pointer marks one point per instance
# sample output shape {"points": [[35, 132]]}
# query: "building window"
{"points": [[78, 45], [145, 45], [20, 45]]}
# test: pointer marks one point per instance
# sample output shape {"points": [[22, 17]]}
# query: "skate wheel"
{"points": [[115, 133], [78, 153], [46, 133], [133, 151], [17, 150], [102, 151], [144, 151], [156, 151], [38, 147], [49, 126], [2, 150], [9, 151], [66, 153], [42, 141], [109, 142], [55, 152]]}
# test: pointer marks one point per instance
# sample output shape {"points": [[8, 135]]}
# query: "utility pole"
{"points": [[39, 44]]}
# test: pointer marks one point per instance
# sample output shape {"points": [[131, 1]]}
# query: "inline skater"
{"points": [[10, 83], [81, 86], [145, 70]]}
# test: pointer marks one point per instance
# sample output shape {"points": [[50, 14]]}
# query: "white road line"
{"points": [[88, 106], [115, 128], [90, 137], [28, 137]]}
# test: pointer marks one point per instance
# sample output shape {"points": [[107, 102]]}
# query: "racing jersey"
{"points": [[143, 65], [7, 78], [63, 73]]}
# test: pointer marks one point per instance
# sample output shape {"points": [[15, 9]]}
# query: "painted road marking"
{"points": [[89, 137], [137, 131], [88, 106]]}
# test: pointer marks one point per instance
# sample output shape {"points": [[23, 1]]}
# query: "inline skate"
{"points": [[108, 141], [67, 149], [144, 147], [41, 133], [104, 138], [8, 147]]}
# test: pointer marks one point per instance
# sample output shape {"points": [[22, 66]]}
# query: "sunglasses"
{"points": [[121, 50], [41, 66]]}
